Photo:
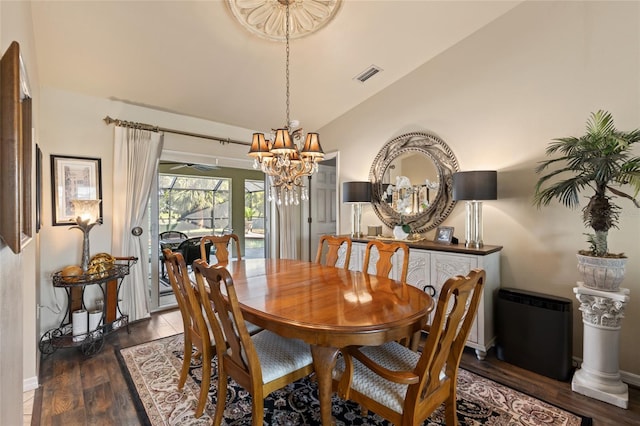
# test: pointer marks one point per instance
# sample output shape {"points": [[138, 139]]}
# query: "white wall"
{"points": [[497, 99]]}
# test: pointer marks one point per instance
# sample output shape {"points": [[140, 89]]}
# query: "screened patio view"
{"points": [[195, 206], [190, 207]]}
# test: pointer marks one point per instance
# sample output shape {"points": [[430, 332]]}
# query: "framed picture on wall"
{"points": [[15, 151], [38, 188], [444, 234], [73, 178]]}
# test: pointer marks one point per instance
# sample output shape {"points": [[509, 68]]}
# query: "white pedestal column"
{"points": [[599, 375]]}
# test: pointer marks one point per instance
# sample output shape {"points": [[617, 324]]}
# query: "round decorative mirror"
{"points": [[411, 181]]}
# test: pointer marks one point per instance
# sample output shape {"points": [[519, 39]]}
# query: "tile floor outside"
{"points": [[27, 406]]}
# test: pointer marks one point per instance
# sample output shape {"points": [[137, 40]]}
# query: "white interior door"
{"points": [[324, 210]]}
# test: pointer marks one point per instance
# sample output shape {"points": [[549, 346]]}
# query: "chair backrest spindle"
{"points": [[333, 243], [221, 244], [385, 253]]}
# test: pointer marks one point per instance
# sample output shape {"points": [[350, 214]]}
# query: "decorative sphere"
{"points": [[100, 264], [71, 273]]}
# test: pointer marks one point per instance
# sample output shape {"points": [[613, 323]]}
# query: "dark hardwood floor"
{"points": [[553, 391], [76, 390]]}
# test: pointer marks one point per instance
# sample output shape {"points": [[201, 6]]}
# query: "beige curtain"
{"points": [[135, 163], [285, 227], [289, 226]]}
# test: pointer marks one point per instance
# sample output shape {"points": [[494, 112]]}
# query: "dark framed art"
{"points": [[73, 178], [444, 234], [38, 188], [15, 151]]}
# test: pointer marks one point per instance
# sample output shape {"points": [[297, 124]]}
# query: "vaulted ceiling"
{"points": [[195, 59]]}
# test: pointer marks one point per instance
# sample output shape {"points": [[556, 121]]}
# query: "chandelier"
{"points": [[281, 159]]}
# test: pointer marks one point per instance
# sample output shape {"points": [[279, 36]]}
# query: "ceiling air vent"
{"points": [[368, 73]]}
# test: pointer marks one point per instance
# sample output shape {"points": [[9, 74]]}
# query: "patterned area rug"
{"points": [[152, 370]]}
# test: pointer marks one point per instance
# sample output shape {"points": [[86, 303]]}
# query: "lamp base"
{"points": [[356, 218], [473, 231], [473, 244], [85, 227]]}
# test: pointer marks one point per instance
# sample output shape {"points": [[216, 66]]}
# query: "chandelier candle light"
{"points": [[473, 187], [281, 159], [87, 214]]}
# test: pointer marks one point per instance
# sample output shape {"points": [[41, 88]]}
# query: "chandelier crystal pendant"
{"points": [[281, 159]]}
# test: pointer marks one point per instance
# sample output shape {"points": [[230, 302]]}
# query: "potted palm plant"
{"points": [[601, 162]]}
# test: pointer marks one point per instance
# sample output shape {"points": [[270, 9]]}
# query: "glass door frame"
{"points": [[154, 267]]}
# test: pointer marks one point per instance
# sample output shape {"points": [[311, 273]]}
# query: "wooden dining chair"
{"points": [[260, 363], [333, 244], [221, 245], [385, 253], [405, 386], [196, 331], [165, 236]]}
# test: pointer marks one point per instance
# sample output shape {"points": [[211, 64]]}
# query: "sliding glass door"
{"points": [[190, 202], [189, 207]]}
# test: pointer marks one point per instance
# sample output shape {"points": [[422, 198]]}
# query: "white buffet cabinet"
{"points": [[431, 264]]}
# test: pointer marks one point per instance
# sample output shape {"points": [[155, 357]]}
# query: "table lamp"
{"points": [[87, 213], [356, 193], [473, 187]]}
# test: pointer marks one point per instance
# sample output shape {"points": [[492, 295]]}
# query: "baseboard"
{"points": [[630, 378], [626, 377], [30, 384]]}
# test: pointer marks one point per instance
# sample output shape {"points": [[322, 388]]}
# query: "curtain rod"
{"points": [[108, 120]]}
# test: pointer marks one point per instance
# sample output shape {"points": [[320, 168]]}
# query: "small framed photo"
{"points": [[73, 178], [444, 234]]}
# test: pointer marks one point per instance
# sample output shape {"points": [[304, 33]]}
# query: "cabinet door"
{"points": [[419, 269], [445, 266]]}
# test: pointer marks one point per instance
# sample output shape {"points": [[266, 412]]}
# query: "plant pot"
{"points": [[399, 234], [601, 273]]}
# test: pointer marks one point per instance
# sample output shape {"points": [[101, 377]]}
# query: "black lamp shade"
{"points": [[356, 192], [475, 185]]}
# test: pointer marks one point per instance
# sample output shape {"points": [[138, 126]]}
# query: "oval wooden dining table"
{"points": [[328, 307]]}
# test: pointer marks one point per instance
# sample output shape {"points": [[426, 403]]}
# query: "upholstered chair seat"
{"points": [[392, 356], [280, 356]]}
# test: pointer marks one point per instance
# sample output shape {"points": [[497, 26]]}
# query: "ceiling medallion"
{"points": [[266, 18]]}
